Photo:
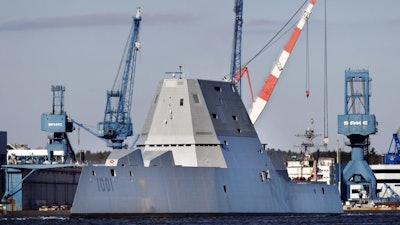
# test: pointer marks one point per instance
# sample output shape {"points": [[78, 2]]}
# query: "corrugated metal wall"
{"points": [[50, 187]]}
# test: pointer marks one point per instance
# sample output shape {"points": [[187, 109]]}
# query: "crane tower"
{"points": [[117, 124], [236, 64], [393, 155], [58, 125], [357, 124]]}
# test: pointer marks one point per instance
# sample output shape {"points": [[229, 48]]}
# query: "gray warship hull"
{"points": [[198, 153]]}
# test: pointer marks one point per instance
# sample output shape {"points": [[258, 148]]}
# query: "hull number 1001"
{"points": [[105, 184]]}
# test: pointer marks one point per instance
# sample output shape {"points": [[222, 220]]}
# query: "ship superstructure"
{"points": [[308, 168]]}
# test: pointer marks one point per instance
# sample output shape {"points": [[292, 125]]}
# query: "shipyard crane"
{"points": [[117, 124], [269, 84], [59, 124], [393, 194], [236, 64], [237, 71], [393, 155], [357, 124]]}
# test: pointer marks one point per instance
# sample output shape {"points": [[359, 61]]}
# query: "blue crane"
{"points": [[393, 155], [59, 124], [357, 124], [117, 123], [236, 64]]}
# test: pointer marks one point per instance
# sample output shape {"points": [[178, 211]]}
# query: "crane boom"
{"points": [[117, 124], [269, 85], [236, 63], [86, 128]]}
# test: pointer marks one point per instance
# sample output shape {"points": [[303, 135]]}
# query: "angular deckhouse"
{"points": [[198, 152], [199, 122]]}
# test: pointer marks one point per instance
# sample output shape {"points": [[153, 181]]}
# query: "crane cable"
{"points": [[326, 139], [307, 63], [122, 58], [79, 136], [278, 35]]}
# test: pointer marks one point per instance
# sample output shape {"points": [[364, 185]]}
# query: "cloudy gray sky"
{"points": [[79, 44]]}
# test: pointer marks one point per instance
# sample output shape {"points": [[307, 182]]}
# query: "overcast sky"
{"points": [[79, 44]]}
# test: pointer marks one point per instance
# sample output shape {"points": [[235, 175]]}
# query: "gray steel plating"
{"points": [[198, 153]]}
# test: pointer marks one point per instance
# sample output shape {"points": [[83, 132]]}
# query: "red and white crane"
{"points": [[269, 85]]}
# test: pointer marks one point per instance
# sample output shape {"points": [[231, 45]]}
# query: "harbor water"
{"points": [[356, 217]]}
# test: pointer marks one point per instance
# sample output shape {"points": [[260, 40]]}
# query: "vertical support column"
{"points": [[13, 194], [3, 160]]}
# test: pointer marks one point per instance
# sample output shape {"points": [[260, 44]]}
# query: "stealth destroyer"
{"points": [[198, 153]]}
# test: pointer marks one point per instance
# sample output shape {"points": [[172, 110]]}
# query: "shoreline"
{"points": [[67, 213]]}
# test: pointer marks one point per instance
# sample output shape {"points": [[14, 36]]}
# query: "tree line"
{"points": [[370, 156]]}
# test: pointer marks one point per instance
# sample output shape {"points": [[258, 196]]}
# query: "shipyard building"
{"points": [[3, 155]]}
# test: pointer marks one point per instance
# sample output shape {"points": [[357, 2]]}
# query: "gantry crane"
{"points": [[58, 124], [357, 124]]}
